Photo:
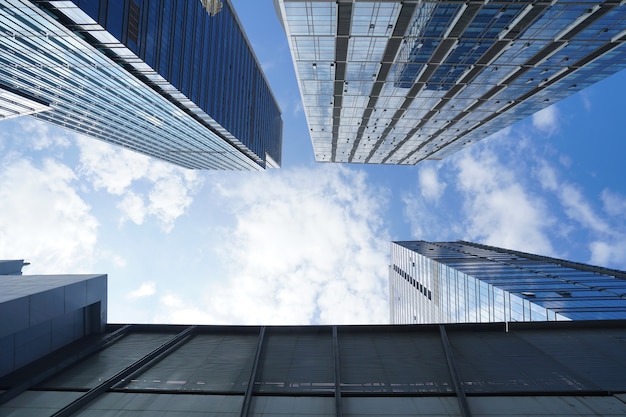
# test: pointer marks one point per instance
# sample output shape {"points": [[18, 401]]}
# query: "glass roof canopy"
{"points": [[392, 82]]}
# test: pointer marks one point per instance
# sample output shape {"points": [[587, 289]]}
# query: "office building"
{"points": [[464, 282], [398, 82], [482, 369], [175, 80], [534, 369], [42, 313]]}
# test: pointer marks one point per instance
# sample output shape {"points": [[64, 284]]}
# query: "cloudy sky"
{"points": [[307, 243]]}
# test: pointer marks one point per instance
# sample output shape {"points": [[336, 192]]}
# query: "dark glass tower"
{"points": [[162, 77], [464, 282]]}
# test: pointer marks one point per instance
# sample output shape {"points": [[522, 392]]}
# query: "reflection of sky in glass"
{"points": [[441, 90], [470, 284]]}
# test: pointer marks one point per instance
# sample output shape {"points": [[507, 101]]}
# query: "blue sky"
{"points": [[307, 243]]}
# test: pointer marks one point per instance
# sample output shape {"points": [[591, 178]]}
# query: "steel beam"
{"points": [[154, 356], [456, 381], [245, 408], [338, 408]]}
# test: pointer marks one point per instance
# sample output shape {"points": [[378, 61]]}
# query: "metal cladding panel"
{"points": [[63, 329], [76, 295], [15, 315], [46, 305], [7, 352], [214, 362], [32, 343], [95, 369], [296, 362], [393, 362], [10, 267]]}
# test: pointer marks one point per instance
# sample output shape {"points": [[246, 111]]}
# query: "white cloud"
{"points": [[170, 196], [585, 96], [297, 107], [118, 261], [171, 300], [546, 120], [44, 219], [610, 253], [146, 289], [605, 234], [308, 247], [110, 167], [614, 204], [547, 176], [42, 135], [132, 208], [580, 210], [430, 186], [499, 209], [147, 186]]}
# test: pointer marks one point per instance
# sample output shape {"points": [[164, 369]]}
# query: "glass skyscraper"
{"points": [[161, 77], [397, 82], [464, 282]]}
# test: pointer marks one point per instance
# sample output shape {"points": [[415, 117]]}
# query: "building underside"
{"points": [[397, 82]]}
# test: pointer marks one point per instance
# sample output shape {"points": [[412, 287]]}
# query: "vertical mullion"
{"points": [[338, 409], [249, 390], [157, 354], [456, 381]]}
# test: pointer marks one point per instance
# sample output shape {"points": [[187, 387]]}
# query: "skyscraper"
{"points": [[485, 369], [166, 78], [464, 282], [397, 82]]}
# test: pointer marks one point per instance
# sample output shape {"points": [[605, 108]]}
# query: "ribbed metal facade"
{"points": [[464, 282], [531, 369], [161, 77], [397, 82]]}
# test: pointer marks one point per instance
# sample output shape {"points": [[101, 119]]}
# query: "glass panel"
{"points": [[392, 362], [95, 369], [163, 405], [212, 362], [292, 406], [296, 362]]}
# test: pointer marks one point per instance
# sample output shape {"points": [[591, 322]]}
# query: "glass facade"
{"points": [[397, 82], [351, 371], [161, 77], [463, 282]]}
